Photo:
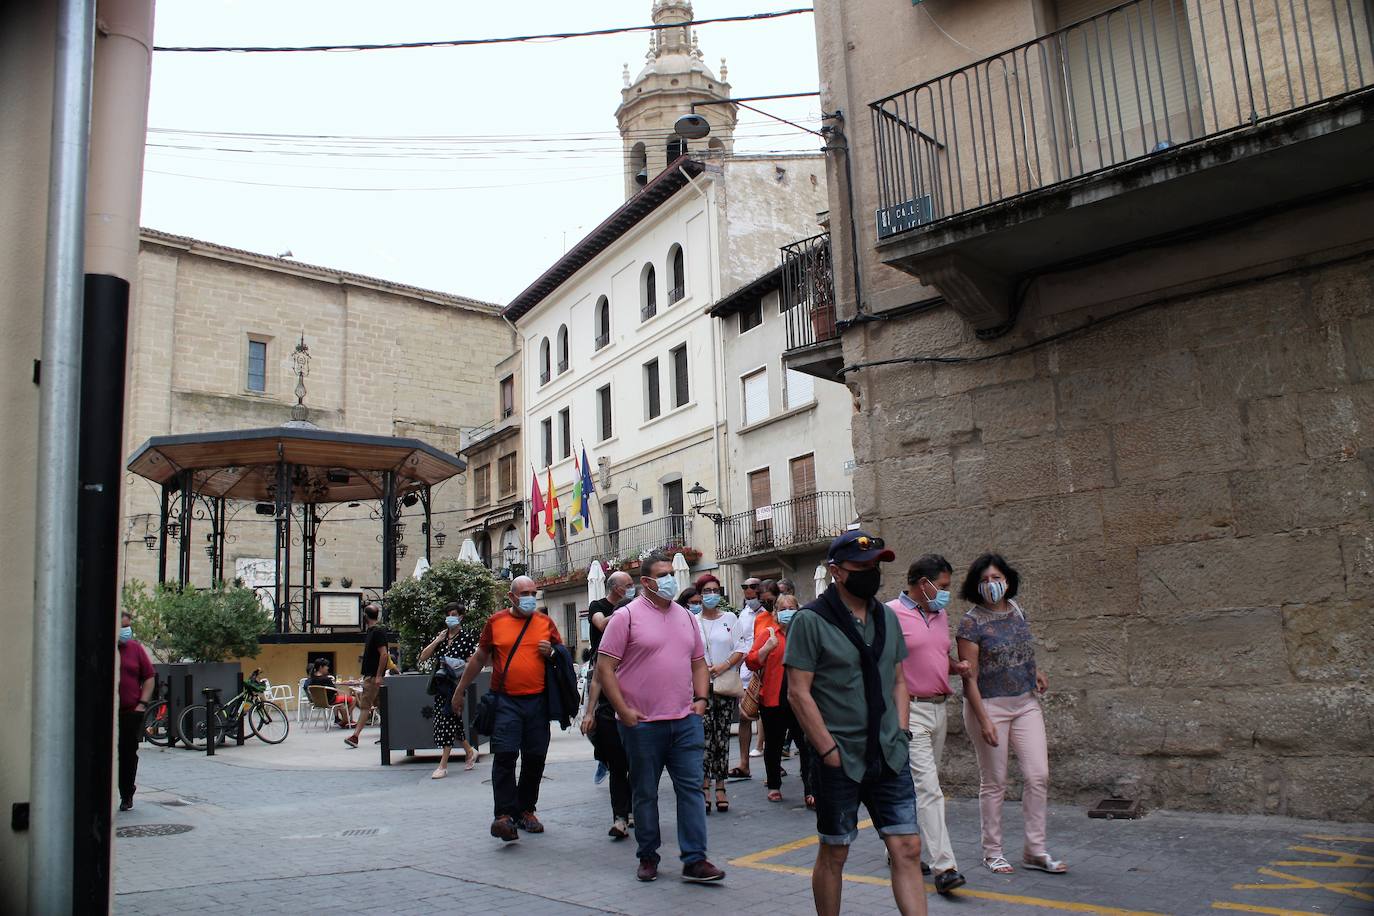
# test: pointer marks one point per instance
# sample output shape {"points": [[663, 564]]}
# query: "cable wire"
{"points": [[468, 42]]}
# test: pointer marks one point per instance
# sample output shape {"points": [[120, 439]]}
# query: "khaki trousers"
{"points": [[928, 723]]}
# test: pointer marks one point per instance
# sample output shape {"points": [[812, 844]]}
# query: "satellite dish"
{"points": [[692, 127]]}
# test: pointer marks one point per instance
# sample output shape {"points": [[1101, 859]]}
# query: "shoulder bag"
{"points": [[749, 705], [484, 717], [728, 683]]}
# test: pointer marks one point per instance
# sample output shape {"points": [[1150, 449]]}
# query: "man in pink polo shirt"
{"points": [[921, 611], [652, 669]]}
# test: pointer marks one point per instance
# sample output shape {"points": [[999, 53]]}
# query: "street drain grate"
{"points": [[361, 831], [140, 830], [1117, 809]]}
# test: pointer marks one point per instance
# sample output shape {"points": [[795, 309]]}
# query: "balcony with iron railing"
{"points": [[808, 301], [1143, 121], [789, 527], [672, 532]]}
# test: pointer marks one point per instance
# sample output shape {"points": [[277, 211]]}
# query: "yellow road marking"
{"points": [[1304, 884], [1269, 910], [758, 860], [1341, 859], [1338, 839]]}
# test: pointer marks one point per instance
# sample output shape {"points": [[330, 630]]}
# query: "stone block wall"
{"points": [[1186, 491], [385, 360]]}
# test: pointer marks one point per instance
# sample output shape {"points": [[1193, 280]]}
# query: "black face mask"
{"points": [[864, 583]]}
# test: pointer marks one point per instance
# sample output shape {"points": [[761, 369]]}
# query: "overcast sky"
{"points": [[519, 156]]}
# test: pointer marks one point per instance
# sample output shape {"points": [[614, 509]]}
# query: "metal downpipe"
{"points": [[53, 764]]}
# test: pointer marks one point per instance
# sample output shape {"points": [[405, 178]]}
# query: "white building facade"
{"points": [[622, 358]]}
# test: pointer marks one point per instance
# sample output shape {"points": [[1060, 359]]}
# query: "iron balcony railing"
{"points": [[602, 340], [675, 294], [808, 292], [544, 376], [799, 522], [1136, 80], [667, 533]]}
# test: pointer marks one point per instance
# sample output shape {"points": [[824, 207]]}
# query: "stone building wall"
{"points": [[386, 360], [1186, 491]]}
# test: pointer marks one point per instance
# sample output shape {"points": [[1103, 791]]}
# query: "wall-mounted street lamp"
{"points": [[698, 494]]}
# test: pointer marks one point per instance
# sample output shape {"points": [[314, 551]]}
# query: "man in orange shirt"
{"points": [[517, 642]]}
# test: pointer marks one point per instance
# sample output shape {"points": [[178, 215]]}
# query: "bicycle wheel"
{"points": [[269, 722], [156, 729], [191, 727]]}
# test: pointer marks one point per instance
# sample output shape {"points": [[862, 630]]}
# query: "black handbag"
{"points": [[484, 717]]}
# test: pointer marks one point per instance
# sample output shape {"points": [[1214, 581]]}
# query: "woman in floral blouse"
{"points": [[1001, 709]]}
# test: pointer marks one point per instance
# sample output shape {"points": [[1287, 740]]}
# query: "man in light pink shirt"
{"points": [[652, 669], [921, 611]]}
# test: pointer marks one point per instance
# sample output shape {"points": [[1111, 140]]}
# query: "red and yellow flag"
{"points": [[550, 505]]}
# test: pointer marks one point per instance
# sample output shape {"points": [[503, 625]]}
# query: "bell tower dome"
{"points": [[674, 76]]}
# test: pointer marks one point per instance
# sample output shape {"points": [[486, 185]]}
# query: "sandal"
{"points": [[774, 795], [471, 761], [439, 773], [722, 803], [998, 865], [1045, 863], [737, 773]]}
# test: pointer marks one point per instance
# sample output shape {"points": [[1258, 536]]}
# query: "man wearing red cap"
{"points": [[845, 684]]}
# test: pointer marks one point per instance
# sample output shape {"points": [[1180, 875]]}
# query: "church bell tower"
{"points": [[674, 76]]}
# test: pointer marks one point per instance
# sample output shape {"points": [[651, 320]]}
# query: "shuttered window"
{"points": [[1132, 80], [546, 440], [603, 404], [801, 388], [505, 466], [755, 397], [761, 501], [652, 405], [680, 386], [565, 432]]}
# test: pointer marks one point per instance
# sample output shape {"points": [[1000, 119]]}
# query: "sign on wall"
{"points": [[338, 609], [904, 216]]}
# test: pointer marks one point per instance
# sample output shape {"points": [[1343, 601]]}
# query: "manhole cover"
{"points": [[138, 830], [361, 831]]}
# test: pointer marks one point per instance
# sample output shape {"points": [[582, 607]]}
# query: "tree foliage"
{"points": [[197, 625], [415, 607]]}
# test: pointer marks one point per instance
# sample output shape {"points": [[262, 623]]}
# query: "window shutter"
{"points": [[801, 388], [680, 387], [756, 397], [651, 393]]}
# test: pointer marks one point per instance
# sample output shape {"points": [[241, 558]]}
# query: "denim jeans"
{"points": [[678, 745], [522, 730]]}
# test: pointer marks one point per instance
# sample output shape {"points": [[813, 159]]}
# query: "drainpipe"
{"points": [[119, 121], [53, 764]]}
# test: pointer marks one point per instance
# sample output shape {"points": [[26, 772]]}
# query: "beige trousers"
{"points": [[928, 724]]}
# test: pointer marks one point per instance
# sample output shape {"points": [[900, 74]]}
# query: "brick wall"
{"points": [[1186, 492]]}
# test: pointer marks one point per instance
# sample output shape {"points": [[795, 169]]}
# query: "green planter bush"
{"points": [[187, 624], [415, 607]]}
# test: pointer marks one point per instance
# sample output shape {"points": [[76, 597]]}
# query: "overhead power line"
{"points": [[466, 42]]}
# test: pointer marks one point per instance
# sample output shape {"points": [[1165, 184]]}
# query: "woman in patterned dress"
{"points": [[1002, 710], [723, 638], [454, 641]]}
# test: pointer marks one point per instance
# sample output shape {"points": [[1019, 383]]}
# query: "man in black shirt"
{"points": [[375, 659], [598, 717]]}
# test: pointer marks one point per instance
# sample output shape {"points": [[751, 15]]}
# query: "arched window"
{"points": [[639, 165], [648, 293], [484, 548], [716, 145], [677, 275], [603, 322], [562, 349], [544, 367], [676, 147]]}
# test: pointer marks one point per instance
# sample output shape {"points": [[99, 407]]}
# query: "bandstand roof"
{"points": [[329, 467]]}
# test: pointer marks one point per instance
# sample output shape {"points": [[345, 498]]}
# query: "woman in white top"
{"points": [[725, 644]]}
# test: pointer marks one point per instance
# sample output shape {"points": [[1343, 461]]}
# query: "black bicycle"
{"points": [[265, 719], [157, 725]]}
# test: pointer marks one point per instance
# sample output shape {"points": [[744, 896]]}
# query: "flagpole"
{"points": [[591, 525]]}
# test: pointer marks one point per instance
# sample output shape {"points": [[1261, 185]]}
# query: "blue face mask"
{"points": [[785, 616], [126, 634], [694, 607], [528, 603], [667, 587], [939, 602], [451, 622], [629, 591], [711, 601]]}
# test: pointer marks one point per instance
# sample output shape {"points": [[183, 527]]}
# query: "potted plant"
{"points": [[346, 582], [326, 581]]}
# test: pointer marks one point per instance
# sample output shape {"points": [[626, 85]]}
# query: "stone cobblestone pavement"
{"points": [[311, 827]]}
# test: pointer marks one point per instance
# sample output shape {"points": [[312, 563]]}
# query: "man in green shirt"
{"points": [[845, 684]]}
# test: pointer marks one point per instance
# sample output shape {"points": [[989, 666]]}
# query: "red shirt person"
{"points": [[136, 682]]}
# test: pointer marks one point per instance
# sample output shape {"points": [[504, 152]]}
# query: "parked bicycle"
{"points": [[157, 726], [265, 719]]}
